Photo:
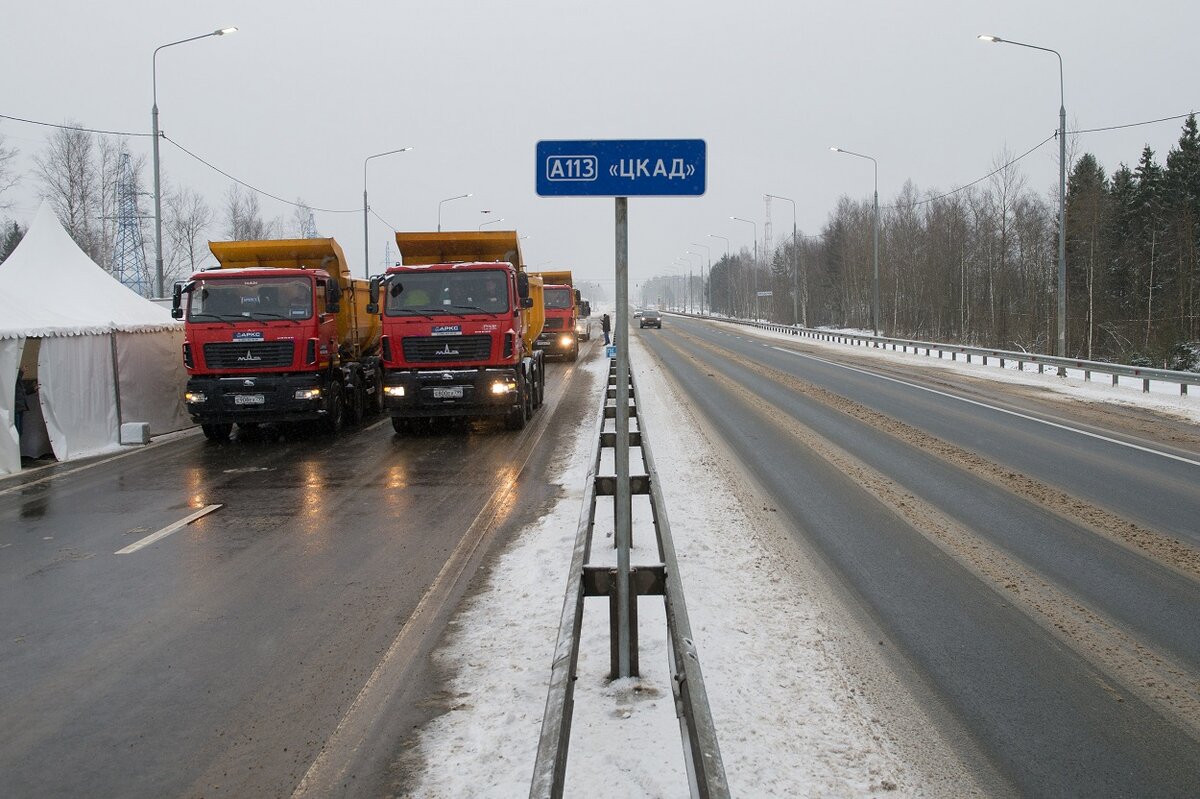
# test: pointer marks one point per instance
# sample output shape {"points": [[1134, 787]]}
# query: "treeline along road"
{"points": [[1033, 565], [273, 644]]}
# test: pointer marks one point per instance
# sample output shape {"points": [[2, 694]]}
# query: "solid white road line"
{"points": [[166, 531], [995, 408]]}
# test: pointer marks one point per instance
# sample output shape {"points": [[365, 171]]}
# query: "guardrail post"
{"points": [[1146, 385]]}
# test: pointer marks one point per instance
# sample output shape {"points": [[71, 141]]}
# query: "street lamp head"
{"points": [[987, 37], [835, 149], [224, 31]]}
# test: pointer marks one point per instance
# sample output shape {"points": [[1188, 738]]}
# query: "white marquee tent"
{"points": [[104, 354]]}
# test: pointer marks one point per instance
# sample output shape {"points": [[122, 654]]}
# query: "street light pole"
{"points": [[449, 199], [795, 260], [875, 288], [158, 256], [755, 224], [490, 222], [703, 279], [1061, 350], [366, 228]]}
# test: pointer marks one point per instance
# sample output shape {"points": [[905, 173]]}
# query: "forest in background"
{"points": [[979, 266]]}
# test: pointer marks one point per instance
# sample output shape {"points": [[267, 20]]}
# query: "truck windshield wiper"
{"points": [[469, 308], [413, 311], [273, 315], [193, 317]]}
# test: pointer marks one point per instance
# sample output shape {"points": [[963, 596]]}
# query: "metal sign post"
{"points": [[624, 498], [621, 169]]}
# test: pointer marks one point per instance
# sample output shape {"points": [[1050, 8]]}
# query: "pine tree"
{"points": [[12, 237]]}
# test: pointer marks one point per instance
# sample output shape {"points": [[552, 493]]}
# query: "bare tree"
{"points": [[243, 216], [186, 219], [8, 175], [67, 171]]}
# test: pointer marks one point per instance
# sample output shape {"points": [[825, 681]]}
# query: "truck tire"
{"points": [[574, 353], [401, 426], [217, 432], [336, 412], [516, 418], [376, 403], [356, 403]]}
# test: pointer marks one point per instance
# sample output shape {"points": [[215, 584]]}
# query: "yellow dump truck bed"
{"points": [[357, 330], [424, 248], [558, 278]]}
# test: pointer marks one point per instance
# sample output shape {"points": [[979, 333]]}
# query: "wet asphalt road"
{"points": [[221, 659], [990, 552]]}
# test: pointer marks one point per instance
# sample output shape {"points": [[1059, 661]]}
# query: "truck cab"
{"points": [[275, 341], [457, 334], [560, 333]]}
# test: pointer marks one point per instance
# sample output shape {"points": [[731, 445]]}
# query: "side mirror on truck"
{"points": [[523, 288], [333, 297], [177, 300], [373, 296]]}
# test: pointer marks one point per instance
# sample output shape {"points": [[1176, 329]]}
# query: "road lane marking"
{"points": [[166, 531], [1019, 415]]}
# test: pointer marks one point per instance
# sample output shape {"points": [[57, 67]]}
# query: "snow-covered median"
{"points": [[791, 716]]}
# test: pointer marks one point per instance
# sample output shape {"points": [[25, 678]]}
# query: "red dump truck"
{"points": [[560, 334], [279, 332], [460, 315]]}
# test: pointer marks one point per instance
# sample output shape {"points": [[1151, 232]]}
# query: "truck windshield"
{"points": [[251, 298], [426, 293], [558, 298]]}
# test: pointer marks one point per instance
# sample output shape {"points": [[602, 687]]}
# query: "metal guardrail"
{"points": [[1145, 374], [706, 772]]}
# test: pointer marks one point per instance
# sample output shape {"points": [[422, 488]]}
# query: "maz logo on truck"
{"points": [[249, 356], [446, 351]]}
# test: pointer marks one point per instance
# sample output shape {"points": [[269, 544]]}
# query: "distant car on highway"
{"points": [[651, 319], [637, 312]]}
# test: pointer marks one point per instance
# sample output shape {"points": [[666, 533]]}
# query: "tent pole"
{"points": [[112, 341]]}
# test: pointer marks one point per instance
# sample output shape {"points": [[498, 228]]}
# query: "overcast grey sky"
{"points": [[297, 99]]}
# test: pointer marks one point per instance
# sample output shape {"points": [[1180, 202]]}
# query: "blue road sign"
{"points": [[621, 168]]}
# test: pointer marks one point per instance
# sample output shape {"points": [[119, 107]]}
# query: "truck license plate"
{"points": [[248, 399], [448, 392]]}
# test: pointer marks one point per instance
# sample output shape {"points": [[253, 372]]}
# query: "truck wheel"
{"points": [[376, 403], [401, 426], [336, 412], [574, 352], [217, 432], [517, 416], [356, 409]]}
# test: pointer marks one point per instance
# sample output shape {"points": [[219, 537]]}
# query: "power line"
{"points": [[75, 127], [998, 169], [241, 182], [1134, 124]]}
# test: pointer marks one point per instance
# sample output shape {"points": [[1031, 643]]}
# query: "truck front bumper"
{"points": [[451, 392], [262, 398], [557, 343]]}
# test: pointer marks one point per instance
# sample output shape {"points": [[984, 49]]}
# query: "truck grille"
{"points": [[438, 349], [554, 323], [248, 354]]}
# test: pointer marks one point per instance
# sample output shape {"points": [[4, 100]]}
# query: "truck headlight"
{"points": [[307, 393], [195, 397], [565, 341], [393, 391], [503, 387]]}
